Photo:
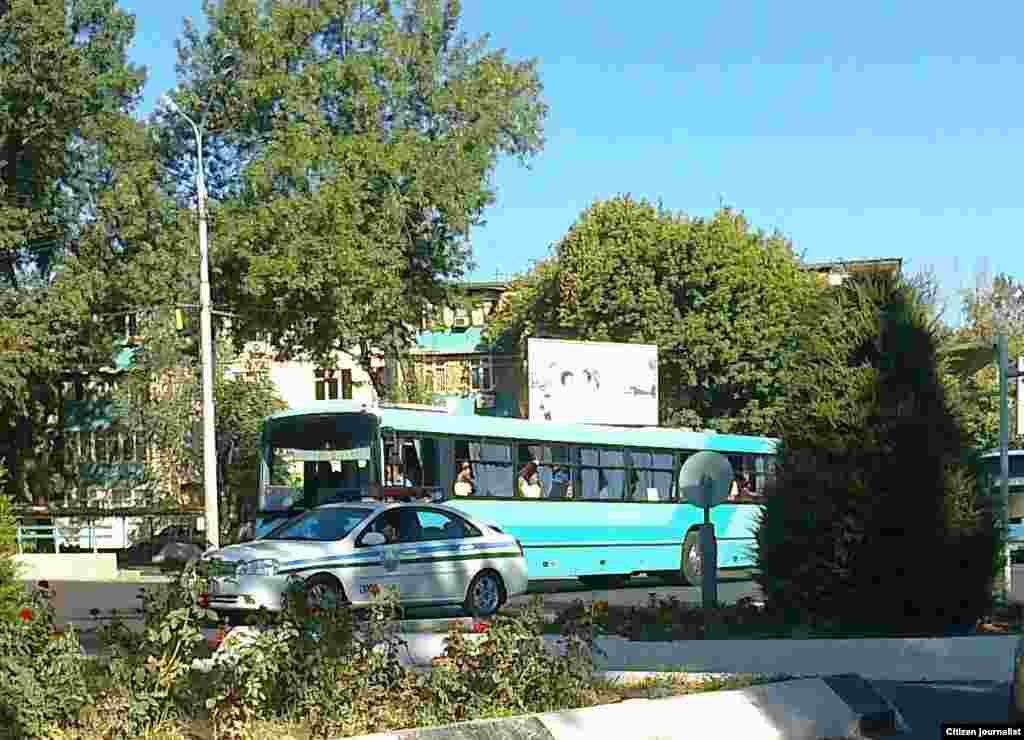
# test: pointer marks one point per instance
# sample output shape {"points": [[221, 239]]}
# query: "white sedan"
{"points": [[430, 554]]}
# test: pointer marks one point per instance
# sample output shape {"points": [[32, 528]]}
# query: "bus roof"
{"points": [[462, 425]]}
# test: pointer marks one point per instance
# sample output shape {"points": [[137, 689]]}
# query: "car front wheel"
{"points": [[485, 596], [323, 592]]}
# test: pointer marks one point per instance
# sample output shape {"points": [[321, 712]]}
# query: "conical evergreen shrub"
{"points": [[878, 516]]}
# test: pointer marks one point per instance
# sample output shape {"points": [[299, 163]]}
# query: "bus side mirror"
{"points": [[374, 538]]}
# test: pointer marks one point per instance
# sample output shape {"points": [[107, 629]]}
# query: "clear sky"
{"points": [[860, 130]]}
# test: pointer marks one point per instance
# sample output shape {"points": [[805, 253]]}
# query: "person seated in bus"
{"points": [[395, 477], [528, 482], [464, 481], [560, 482]]}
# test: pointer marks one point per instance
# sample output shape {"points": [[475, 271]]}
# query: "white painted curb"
{"points": [[795, 710]]}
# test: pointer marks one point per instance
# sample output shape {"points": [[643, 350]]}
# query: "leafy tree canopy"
{"points": [[351, 149], [72, 184], [721, 300], [988, 312]]}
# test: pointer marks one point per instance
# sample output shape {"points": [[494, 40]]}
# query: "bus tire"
{"points": [[691, 566]]}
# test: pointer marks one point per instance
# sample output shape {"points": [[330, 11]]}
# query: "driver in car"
{"points": [[389, 529]]}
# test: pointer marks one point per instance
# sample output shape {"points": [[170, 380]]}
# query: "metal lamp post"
{"points": [[210, 494]]}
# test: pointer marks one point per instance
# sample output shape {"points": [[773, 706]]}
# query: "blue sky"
{"points": [[878, 129]]}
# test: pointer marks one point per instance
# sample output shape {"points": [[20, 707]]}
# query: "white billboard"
{"points": [[593, 382]]}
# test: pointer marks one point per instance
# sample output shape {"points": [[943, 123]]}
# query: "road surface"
{"points": [[925, 706], [75, 599]]}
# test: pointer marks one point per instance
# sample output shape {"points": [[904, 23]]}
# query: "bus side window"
{"points": [[652, 476], [602, 474], [554, 470], [493, 471]]}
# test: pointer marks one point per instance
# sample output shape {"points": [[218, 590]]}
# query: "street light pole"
{"points": [[210, 495]]}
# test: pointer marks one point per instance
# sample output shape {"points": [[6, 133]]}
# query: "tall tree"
{"points": [[66, 89], [351, 150], [719, 299], [877, 491]]}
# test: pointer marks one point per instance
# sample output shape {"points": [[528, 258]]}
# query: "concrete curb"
{"points": [[808, 709]]}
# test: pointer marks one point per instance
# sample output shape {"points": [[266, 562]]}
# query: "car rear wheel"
{"points": [[324, 592], [486, 594]]}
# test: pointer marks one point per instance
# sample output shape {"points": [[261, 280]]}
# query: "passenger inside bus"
{"points": [[528, 483], [560, 482], [464, 481]]}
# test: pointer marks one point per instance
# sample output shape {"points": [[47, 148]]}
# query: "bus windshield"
{"points": [[312, 459]]}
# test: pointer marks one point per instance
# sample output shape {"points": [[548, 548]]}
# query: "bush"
{"points": [[43, 674], [11, 592], [150, 681], [877, 516]]}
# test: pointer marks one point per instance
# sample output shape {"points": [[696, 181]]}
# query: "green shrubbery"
{"points": [[43, 674], [10, 588], [878, 516], [330, 672]]}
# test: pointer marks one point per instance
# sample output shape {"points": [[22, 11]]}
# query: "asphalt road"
{"points": [[75, 599], [925, 706]]}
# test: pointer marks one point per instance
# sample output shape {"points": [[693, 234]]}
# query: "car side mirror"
{"points": [[374, 538]]}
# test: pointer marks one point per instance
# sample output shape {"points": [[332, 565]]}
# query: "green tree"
{"points": [[975, 390], [879, 514], [351, 150], [66, 91], [160, 398], [721, 300]]}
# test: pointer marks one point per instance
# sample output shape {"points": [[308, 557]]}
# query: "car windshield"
{"points": [[320, 525]]}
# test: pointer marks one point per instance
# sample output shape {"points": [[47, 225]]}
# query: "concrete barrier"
{"points": [[840, 706], [67, 566]]}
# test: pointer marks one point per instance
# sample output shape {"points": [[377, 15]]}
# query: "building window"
{"points": [[327, 386], [440, 377], [480, 375]]}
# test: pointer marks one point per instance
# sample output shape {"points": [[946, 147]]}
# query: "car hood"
{"points": [[281, 550]]}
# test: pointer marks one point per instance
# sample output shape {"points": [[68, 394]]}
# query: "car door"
{"points": [[439, 555], [376, 565]]}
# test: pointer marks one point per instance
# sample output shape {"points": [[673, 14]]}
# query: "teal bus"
{"points": [[597, 503], [1015, 506]]}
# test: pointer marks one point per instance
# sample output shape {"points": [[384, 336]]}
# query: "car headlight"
{"points": [[258, 568]]}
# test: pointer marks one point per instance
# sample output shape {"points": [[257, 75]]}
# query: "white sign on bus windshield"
{"points": [[356, 453], [593, 382]]}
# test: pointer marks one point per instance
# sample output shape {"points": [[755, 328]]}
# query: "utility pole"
{"points": [[210, 491], [1003, 363], [1020, 396]]}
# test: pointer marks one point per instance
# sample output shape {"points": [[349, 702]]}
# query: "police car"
{"points": [[349, 552]]}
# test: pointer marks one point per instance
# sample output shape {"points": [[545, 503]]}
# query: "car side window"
{"points": [[435, 525], [387, 524]]}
